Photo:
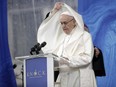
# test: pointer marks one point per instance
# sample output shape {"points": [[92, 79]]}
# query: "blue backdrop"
{"points": [[7, 78], [100, 17]]}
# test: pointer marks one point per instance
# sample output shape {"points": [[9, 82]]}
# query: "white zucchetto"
{"points": [[66, 13]]}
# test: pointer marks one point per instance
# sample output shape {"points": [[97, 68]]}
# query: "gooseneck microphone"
{"points": [[37, 48], [34, 49], [40, 46]]}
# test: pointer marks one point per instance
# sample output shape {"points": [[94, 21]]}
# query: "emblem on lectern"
{"points": [[36, 73]]}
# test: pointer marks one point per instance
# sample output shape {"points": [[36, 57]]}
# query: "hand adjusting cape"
{"points": [[50, 29]]}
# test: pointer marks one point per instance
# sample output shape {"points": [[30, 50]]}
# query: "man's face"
{"points": [[67, 23]]}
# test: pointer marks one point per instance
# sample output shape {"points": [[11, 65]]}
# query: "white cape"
{"points": [[50, 30]]}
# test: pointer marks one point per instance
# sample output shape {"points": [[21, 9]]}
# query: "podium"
{"points": [[38, 70]]}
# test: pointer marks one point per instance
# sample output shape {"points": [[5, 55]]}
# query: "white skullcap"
{"points": [[66, 13]]}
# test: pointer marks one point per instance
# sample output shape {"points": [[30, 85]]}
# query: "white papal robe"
{"points": [[77, 70]]}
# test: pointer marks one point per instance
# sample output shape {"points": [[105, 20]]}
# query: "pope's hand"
{"points": [[57, 7], [63, 61]]}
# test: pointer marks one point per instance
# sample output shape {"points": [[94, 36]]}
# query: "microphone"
{"points": [[14, 66], [37, 48], [34, 49], [40, 46]]}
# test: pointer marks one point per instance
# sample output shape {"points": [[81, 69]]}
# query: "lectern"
{"points": [[38, 70]]}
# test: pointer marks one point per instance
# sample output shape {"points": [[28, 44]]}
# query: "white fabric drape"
{"points": [[50, 30]]}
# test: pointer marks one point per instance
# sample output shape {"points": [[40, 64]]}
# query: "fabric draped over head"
{"points": [[67, 13], [51, 31]]}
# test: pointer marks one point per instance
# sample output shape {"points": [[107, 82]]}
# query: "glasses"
{"points": [[65, 23]]}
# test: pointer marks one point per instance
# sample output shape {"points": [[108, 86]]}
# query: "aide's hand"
{"points": [[97, 52]]}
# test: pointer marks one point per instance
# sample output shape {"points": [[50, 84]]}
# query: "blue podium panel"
{"points": [[36, 72]]}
